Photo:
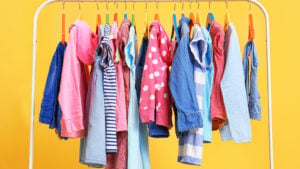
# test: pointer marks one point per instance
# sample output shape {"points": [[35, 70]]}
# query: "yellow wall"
{"points": [[16, 48]]}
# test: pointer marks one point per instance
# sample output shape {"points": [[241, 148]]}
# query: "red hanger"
{"points": [[156, 16], [251, 28], [63, 25]]}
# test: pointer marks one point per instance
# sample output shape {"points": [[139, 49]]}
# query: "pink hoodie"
{"points": [[79, 54]]}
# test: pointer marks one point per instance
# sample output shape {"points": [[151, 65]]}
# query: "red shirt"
{"points": [[218, 113]]}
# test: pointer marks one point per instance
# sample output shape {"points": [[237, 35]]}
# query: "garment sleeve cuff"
{"points": [[147, 115], [188, 121], [72, 128], [255, 109]]}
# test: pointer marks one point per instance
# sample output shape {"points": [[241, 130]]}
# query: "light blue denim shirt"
{"points": [[138, 151], [234, 93], [182, 85], [92, 146], [209, 77], [252, 90]]}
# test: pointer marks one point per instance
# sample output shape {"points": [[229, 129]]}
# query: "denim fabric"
{"points": [[209, 77], [252, 90], [92, 146], [191, 143], [234, 93], [50, 109], [155, 131], [182, 85], [138, 151]]}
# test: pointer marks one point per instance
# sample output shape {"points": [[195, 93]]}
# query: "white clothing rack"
{"points": [[41, 7]]}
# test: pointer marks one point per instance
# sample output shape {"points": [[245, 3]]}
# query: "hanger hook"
{"points": [[125, 6], [182, 5], [79, 6], [116, 5], [63, 5], [133, 5], [174, 6], [98, 9], [209, 6], [190, 3], [226, 1], [250, 6], [156, 5], [106, 6], [146, 6]]}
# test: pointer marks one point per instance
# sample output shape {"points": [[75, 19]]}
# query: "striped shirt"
{"points": [[191, 142], [110, 92]]}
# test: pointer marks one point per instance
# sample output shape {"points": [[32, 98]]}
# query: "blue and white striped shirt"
{"points": [[110, 93], [191, 142]]}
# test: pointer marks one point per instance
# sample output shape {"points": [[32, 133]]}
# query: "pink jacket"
{"points": [[74, 79], [155, 93]]}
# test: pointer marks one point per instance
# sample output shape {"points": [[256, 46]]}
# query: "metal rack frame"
{"points": [[34, 47]]}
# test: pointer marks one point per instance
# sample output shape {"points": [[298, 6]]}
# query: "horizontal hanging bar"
{"points": [[130, 1]]}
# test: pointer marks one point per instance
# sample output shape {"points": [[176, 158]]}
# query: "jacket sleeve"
{"points": [[147, 98], [69, 95], [48, 106]]}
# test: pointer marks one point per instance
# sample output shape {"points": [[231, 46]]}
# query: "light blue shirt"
{"points": [[138, 152], [92, 146], [209, 77], [234, 93]]}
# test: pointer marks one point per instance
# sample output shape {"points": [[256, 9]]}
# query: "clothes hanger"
{"points": [[79, 10], [175, 23], [63, 25], [116, 12], [182, 8], [146, 29], [251, 26], [192, 17], [125, 13], [198, 17], [227, 17], [98, 22], [210, 16], [98, 15], [133, 14], [192, 20], [156, 16], [107, 13]]}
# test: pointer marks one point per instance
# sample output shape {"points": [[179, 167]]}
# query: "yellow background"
{"points": [[16, 19]]}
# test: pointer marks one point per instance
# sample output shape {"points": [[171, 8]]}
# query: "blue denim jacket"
{"points": [[252, 93], [182, 85], [50, 110]]}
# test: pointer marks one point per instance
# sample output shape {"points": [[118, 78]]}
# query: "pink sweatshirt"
{"points": [[74, 79], [155, 93]]}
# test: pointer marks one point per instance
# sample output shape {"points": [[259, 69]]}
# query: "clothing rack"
{"points": [[48, 2]]}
